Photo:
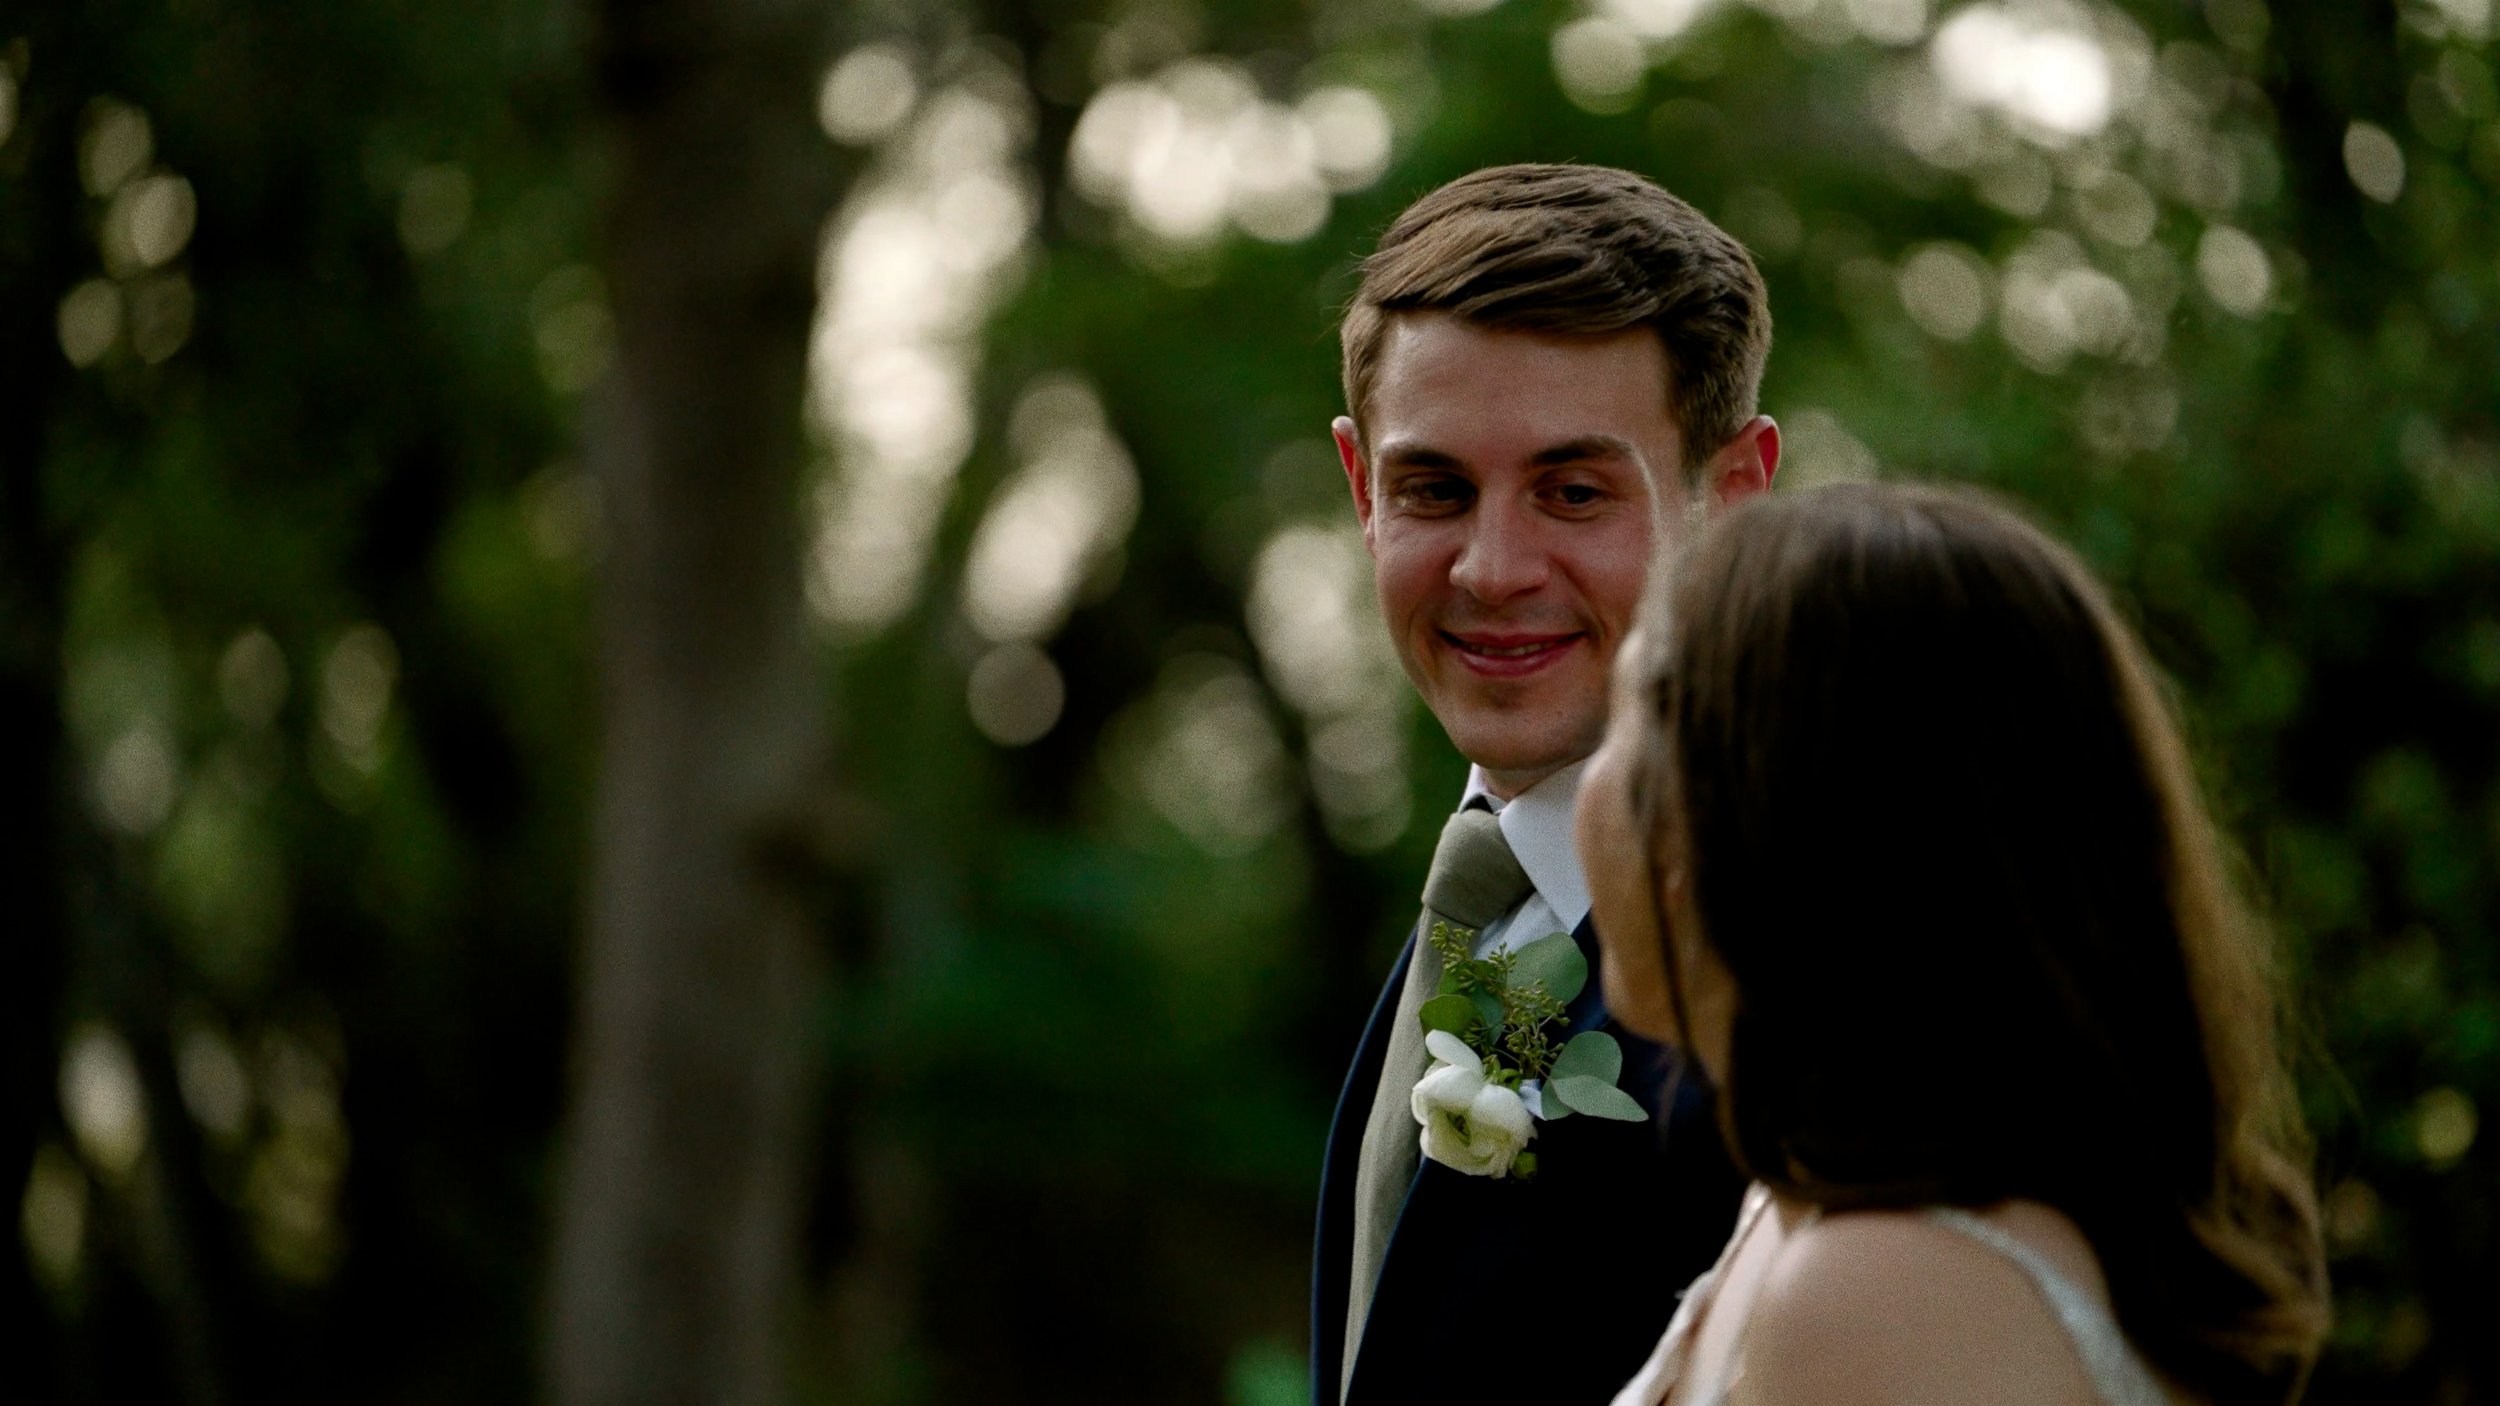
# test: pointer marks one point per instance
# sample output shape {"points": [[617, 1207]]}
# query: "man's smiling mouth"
{"points": [[1510, 649]]}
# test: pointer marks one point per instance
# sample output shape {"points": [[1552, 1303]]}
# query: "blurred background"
{"points": [[1120, 801]]}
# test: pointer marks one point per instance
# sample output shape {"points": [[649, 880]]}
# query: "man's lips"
{"points": [[1507, 655]]}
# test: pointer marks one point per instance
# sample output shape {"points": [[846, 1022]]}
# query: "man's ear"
{"points": [[1744, 465], [1358, 474]]}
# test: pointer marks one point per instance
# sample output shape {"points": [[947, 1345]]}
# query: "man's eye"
{"points": [[1437, 494], [1579, 495]]}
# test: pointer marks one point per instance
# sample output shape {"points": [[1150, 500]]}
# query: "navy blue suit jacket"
{"points": [[1620, 1217]]}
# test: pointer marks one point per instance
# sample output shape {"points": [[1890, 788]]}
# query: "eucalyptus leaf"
{"points": [[1554, 960], [1488, 1008], [1597, 1098], [1450, 1013], [1549, 1103], [1591, 1054]]}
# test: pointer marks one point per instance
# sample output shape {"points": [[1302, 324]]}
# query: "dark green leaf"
{"points": [[1488, 1008], [1450, 1013]]}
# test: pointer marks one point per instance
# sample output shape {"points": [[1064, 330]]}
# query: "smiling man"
{"points": [[1549, 371]]}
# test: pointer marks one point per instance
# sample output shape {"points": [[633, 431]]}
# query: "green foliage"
{"points": [[1591, 1054], [1506, 1004], [1451, 1011], [1553, 964], [1597, 1098]]}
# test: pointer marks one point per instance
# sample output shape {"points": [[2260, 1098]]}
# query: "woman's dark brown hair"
{"points": [[1939, 825]]}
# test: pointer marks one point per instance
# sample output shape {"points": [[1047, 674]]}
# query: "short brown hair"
{"points": [[1588, 249], [1987, 942]]}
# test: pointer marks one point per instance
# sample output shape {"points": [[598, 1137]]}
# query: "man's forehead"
{"points": [[1444, 364], [1453, 390]]}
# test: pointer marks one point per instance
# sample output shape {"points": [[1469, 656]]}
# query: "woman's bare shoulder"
{"points": [[1870, 1308]]}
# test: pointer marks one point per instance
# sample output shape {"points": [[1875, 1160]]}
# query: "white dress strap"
{"points": [[1667, 1363], [2119, 1375]]}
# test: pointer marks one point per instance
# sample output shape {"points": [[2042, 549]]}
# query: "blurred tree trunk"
{"points": [[678, 1229], [34, 789]]}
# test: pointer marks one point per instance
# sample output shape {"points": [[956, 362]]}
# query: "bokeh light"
{"points": [[135, 780], [1600, 63], [926, 248], [252, 678], [2374, 161], [216, 1088], [1664, 19], [102, 1101], [2444, 1126], [1896, 22], [1015, 694], [117, 146], [1945, 288], [52, 1215], [161, 308], [2234, 270], [1059, 517], [1201, 751], [290, 1189], [1320, 640], [2050, 75], [352, 702], [89, 323], [434, 207], [866, 93], [1196, 149], [148, 222], [2466, 20], [1816, 448], [571, 328]]}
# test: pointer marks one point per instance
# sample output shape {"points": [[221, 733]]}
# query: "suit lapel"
{"points": [[1436, 1187], [1599, 1181], [1586, 1011], [1332, 1251]]}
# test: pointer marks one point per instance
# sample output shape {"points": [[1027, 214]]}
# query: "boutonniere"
{"points": [[1496, 1071]]}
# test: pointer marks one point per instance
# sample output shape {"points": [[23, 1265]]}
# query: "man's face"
{"points": [[1512, 487]]}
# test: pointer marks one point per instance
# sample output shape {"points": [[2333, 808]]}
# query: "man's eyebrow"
{"points": [[1407, 454], [1586, 447]]}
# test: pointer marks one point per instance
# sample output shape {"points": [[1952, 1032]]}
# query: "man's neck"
{"points": [[1499, 789], [1507, 785]]}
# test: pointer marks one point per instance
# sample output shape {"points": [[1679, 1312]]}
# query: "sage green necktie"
{"points": [[1475, 879]]}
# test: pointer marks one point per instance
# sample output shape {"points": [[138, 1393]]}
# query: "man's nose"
{"points": [[1503, 557]]}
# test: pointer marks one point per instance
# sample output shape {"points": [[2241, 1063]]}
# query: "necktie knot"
{"points": [[1475, 878]]}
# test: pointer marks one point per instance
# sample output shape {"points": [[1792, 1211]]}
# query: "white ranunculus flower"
{"points": [[1470, 1124]]}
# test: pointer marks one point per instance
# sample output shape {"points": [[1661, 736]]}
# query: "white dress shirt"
{"points": [[1537, 823]]}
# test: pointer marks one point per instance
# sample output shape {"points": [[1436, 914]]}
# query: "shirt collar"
{"points": [[1537, 823]]}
